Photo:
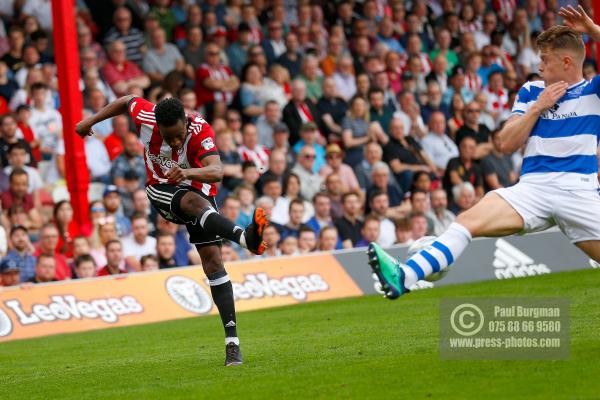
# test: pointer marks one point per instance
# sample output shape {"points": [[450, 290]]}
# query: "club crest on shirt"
{"points": [[207, 144]]}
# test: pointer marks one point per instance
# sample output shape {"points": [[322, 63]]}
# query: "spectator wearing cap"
{"points": [[114, 259], [304, 168], [299, 110], [45, 269], [121, 73], [334, 156], [130, 160], [237, 52], [476, 130], [333, 108], [138, 243], [215, 83], [124, 31], [309, 135], [17, 158], [291, 59], [47, 245], [273, 44], [17, 196], [265, 123], [21, 253], [161, 57], [438, 146], [10, 273], [457, 85], [112, 204]]}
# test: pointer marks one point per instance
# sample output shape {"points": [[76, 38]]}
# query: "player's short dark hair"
{"points": [[560, 37], [168, 112], [84, 258]]}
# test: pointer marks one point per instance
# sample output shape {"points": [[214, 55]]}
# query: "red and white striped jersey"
{"points": [[160, 157]]}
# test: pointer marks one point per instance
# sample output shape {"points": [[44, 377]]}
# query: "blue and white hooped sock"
{"points": [[442, 253]]}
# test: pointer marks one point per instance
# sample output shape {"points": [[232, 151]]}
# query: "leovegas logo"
{"points": [[69, 307], [260, 285]]}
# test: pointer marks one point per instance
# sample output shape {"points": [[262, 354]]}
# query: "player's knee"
{"points": [[193, 203], [212, 264]]}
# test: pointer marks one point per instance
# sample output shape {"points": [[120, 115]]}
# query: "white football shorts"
{"points": [[576, 212]]}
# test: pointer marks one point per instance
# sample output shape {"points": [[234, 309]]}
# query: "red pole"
{"points": [[596, 8], [71, 105]]}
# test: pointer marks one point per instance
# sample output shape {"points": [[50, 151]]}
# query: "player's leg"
{"points": [[492, 216], [591, 248], [222, 294], [194, 205]]}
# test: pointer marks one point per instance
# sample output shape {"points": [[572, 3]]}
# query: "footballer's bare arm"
{"points": [[117, 107], [212, 171]]}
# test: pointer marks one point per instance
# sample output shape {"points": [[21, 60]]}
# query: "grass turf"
{"points": [[354, 348]]}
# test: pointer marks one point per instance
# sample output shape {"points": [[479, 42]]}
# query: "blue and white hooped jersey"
{"points": [[562, 146]]}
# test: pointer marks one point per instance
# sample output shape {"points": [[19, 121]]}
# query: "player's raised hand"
{"points": [[577, 19], [176, 174], [550, 95], [84, 128]]}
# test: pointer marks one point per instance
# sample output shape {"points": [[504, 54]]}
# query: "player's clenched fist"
{"points": [[84, 128], [550, 95], [176, 174]]}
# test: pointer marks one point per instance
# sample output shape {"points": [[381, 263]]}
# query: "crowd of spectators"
{"points": [[349, 121]]}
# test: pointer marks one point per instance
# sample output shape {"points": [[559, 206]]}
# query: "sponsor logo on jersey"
{"points": [[552, 113], [510, 262], [164, 162], [189, 294], [69, 307], [207, 143]]}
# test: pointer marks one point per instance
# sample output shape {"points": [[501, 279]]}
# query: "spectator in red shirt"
{"points": [[215, 83], [47, 248], [120, 73], [114, 141], [114, 258], [23, 115], [251, 150]]}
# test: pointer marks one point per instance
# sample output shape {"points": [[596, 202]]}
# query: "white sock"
{"points": [[243, 241], [442, 253], [235, 340]]}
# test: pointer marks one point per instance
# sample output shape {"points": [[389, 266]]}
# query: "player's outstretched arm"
{"points": [[579, 21], [117, 107], [517, 129], [212, 171]]}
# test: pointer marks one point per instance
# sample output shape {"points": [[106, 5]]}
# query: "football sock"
{"points": [[438, 256], [222, 294], [215, 223]]}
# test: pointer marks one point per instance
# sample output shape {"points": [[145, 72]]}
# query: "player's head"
{"points": [[171, 121], [562, 52]]}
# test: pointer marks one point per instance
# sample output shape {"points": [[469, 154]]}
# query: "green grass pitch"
{"points": [[358, 348]]}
